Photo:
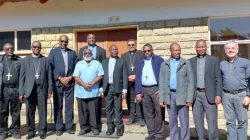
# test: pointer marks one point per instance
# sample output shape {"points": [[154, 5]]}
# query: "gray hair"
{"points": [[232, 42]]}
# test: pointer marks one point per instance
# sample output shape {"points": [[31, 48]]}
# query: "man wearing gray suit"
{"points": [[35, 84], [176, 86], [208, 85], [115, 83]]}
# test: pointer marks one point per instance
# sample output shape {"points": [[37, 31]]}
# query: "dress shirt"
{"points": [[238, 79], [65, 58], [201, 60], [88, 73], [173, 72], [148, 72], [112, 62], [93, 49]]}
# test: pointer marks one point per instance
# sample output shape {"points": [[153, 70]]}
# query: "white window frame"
{"points": [[24, 52], [224, 42]]}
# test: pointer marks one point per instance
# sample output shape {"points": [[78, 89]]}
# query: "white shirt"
{"points": [[112, 62]]}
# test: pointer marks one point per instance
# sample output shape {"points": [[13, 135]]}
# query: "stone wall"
{"points": [[162, 33]]}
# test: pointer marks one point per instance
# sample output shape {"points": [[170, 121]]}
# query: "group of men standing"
{"points": [[144, 79]]}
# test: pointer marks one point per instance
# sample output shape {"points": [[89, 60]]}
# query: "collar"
{"points": [[36, 56], [63, 49], [132, 52], [175, 59], [94, 46], [235, 58], [91, 61], [201, 56]]}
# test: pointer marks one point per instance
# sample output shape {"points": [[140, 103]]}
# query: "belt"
{"points": [[9, 86], [201, 89], [173, 90], [235, 91], [149, 86]]}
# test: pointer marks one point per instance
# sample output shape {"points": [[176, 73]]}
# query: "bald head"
{"points": [[113, 51], [8, 49], [175, 50], [63, 41]]}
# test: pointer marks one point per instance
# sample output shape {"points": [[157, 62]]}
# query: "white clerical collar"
{"points": [[35, 56]]}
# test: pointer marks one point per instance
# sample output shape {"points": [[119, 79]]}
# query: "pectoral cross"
{"points": [[230, 72], [37, 76], [8, 75], [146, 77], [132, 67]]}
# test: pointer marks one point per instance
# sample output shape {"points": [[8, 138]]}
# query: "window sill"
{"points": [[20, 53]]}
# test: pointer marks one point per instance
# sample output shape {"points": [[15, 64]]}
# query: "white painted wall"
{"points": [[74, 12]]}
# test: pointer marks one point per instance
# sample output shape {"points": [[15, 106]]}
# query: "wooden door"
{"points": [[105, 39]]}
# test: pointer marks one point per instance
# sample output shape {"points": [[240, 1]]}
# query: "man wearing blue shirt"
{"points": [[146, 87], [88, 74], [176, 87]]}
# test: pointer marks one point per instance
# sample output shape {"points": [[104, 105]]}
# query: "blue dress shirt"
{"points": [[148, 77], [88, 73], [93, 49], [173, 72]]}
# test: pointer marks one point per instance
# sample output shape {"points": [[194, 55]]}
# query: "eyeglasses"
{"points": [[36, 47], [64, 41], [147, 51], [131, 45], [87, 53]]}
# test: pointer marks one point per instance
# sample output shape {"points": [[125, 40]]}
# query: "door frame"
{"points": [[75, 31]]}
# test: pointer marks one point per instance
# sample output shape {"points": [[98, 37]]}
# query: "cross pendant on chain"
{"points": [[9, 75], [132, 67], [37, 76]]}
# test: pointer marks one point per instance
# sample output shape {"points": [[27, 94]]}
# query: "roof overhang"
{"points": [[4, 1]]}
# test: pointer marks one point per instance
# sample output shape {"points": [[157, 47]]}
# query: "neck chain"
{"points": [[132, 61], [9, 68]]}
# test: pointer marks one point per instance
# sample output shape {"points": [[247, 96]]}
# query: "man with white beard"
{"points": [[88, 74]]}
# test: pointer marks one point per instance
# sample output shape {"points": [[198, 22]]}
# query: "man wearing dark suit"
{"points": [[132, 57], [99, 54], [35, 85], [9, 77], [63, 61], [208, 85], [115, 83]]}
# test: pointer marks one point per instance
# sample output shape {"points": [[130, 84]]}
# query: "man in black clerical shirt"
{"points": [[132, 57], [9, 73], [35, 85]]}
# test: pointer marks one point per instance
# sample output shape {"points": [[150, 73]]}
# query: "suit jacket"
{"points": [[213, 80], [17, 64], [185, 82], [120, 75], [58, 66], [139, 55], [100, 53], [156, 64], [27, 76]]}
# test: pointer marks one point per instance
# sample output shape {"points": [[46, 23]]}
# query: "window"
{"points": [[230, 28], [21, 40]]}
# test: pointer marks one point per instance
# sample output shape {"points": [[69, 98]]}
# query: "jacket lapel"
{"points": [[181, 63], [195, 65], [69, 60], [116, 64], [207, 63], [32, 65], [97, 53], [41, 65]]}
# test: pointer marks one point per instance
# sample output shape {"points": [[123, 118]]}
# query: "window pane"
{"points": [[6, 37], [23, 40], [230, 28], [218, 50]]}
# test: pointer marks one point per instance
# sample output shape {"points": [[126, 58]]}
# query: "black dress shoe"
{"points": [[141, 122], [59, 133], [131, 121], [43, 136], [84, 131], [30, 136], [70, 131], [150, 138], [110, 132], [120, 132], [95, 132]]}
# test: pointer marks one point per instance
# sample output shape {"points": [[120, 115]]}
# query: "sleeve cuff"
{"points": [[124, 91], [101, 89]]}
